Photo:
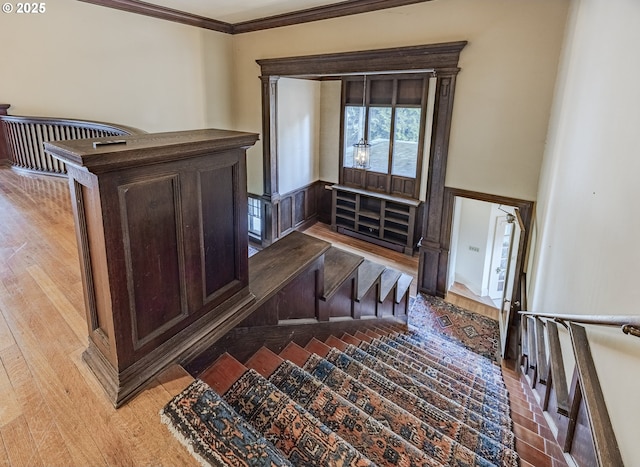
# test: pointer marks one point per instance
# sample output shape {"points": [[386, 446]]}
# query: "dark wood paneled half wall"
{"points": [[297, 210], [161, 223]]}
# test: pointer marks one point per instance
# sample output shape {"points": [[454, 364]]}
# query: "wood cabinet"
{"points": [[161, 223], [378, 218]]}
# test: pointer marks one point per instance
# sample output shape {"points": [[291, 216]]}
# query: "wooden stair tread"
{"points": [[338, 266], [295, 354], [349, 339], [221, 375], [532, 455], [317, 347], [363, 337], [388, 280], [264, 361], [333, 341], [274, 267], [403, 285], [368, 274]]}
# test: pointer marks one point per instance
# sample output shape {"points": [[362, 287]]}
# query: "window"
{"points": [[255, 217], [392, 121]]}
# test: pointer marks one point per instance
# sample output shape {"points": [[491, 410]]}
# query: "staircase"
{"points": [[332, 376], [384, 396], [304, 287]]}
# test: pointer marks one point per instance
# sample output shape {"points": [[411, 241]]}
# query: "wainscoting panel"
{"points": [[298, 207], [219, 242], [157, 299], [286, 214]]}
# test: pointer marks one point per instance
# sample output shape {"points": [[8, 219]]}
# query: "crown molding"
{"points": [[336, 10], [442, 58], [156, 11]]}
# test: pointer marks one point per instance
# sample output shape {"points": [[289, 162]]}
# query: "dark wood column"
{"points": [[433, 260], [161, 223], [4, 151], [271, 195]]}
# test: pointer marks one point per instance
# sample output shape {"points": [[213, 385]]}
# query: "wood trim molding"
{"points": [[437, 242], [319, 13], [336, 10], [169, 14], [441, 57], [4, 150]]}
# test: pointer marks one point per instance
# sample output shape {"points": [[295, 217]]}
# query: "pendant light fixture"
{"points": [[362, 149]]}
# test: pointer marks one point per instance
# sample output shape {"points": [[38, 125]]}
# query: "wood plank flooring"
{"points": [[52, 409], [461, 295]]}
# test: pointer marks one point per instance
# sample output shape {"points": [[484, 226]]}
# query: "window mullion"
{"points": [[392, 133]]}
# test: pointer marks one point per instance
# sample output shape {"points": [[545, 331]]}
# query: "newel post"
{"points": [[161, 223], [5, 159]]}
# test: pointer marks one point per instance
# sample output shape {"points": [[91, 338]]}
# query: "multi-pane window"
{"points": [[255, 217], [391, 118]]}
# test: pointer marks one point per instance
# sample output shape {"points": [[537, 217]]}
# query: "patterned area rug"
{"points": [[475, 332], [354, 425], [214, 433], [292, 429], [424, 436], [500, 452]]}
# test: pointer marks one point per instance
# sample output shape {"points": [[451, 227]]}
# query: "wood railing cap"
{"points": [[630, 324], [113, 153], [89, 124]]}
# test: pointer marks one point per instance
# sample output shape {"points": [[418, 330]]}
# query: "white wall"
{"points": [[503, 95], [298, 133], [330, 130], [473, 233], [84, 61], [588, 228]]}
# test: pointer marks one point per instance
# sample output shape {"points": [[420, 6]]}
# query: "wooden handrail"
{"points": [[586, 388], [629, 324], [87, 124], [607, 450], [22, 138]]}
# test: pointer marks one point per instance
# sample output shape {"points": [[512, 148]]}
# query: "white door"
{"points": [[515, 231], [500, 259]]}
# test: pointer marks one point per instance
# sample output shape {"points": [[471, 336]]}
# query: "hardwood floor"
{"points": [[52, 410], [461, 295]]}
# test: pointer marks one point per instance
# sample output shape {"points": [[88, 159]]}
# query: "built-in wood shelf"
{"points": [[379, 218]]}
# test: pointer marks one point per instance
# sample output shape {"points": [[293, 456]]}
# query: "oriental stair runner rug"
{"points": [[411, 398], [473, 331]]}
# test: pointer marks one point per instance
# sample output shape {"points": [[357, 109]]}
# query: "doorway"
{"points": [[486, 236]]}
